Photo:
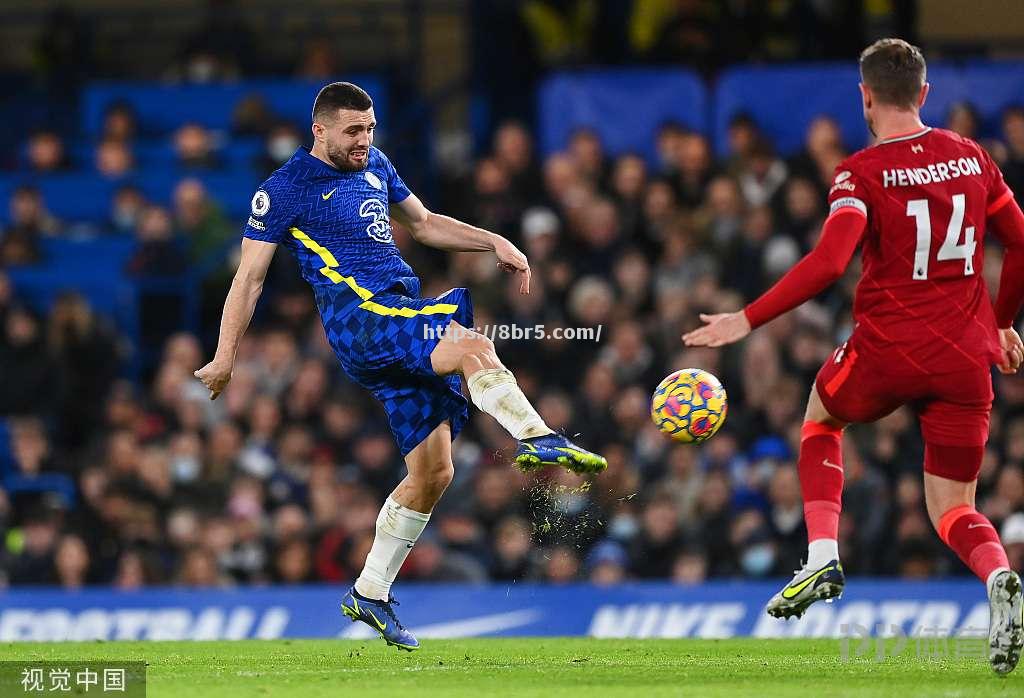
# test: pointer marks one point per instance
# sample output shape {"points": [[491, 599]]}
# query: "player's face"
{"points": [[347, 141]]}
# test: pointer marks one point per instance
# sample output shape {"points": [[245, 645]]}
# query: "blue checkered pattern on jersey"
{"points": [[389, 355]]}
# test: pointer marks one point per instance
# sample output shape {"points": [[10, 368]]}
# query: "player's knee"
{"points": [[479, 354]]}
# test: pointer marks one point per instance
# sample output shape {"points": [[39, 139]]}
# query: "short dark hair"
{"points": [[894, 71], [340, 95]]}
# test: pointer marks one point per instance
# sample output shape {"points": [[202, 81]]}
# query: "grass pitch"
{"points": [[532, 667]]}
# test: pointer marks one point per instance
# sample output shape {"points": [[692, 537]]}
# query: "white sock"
{"points": [[495, 391], [822, 551], [398, 528], [992, 578]]}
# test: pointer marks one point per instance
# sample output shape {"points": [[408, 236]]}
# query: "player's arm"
{"points": [[447, 233], [1006, 220], [839, 238], [245, 290]]}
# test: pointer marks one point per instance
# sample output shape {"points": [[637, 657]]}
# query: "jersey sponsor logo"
{"points": [[932, 173], [258, 225], [379, 228], [373, 180], [260, 203], [846, 186], [848, 202], [842, 176]]}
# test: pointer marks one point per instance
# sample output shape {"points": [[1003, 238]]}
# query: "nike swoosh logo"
{"points": [[379, 624], [829, 464], [791, 591], [978, 525], [329, 194]]}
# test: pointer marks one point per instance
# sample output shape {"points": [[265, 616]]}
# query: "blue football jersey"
{"points": [[336, 223]]}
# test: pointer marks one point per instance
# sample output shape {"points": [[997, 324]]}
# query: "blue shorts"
{"points": [[384, 344]]}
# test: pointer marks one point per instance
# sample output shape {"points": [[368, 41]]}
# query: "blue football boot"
{"points": [[381, 617], [555, 449]]}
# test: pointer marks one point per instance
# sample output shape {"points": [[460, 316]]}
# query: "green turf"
{"points": [[532, 667]]}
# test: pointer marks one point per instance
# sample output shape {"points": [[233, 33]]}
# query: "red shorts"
{"points": [[954, 408]]}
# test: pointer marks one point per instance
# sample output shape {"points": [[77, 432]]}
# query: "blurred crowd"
{"points": [[134, 483]]}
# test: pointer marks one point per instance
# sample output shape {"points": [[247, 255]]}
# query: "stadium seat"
{"points": [[6, 461], [161, 107], [624, 107], [58, 483], [73, 196], [990, 87], [783, 100]]}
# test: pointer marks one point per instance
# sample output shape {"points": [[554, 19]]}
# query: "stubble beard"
{"points": [[339, 158]]}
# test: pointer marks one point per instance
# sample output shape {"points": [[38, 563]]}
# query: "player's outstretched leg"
{"points": [[972, 537], [494, 390], [821, 482], [401, 521]]}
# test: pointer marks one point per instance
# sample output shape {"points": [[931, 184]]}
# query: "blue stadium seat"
{"points": [[109, 294], [990, 87], [73, 196], [242, 154], [85, 196], [161, 108], [232, 189], [783, 100], [90, 257], [6, 458], [624, 107], [59, 483], [104, 286]]}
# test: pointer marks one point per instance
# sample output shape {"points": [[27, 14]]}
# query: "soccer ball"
{"points": [[689, 405]]}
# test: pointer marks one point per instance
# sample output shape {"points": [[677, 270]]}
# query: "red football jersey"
{"points": [[922, 305]]}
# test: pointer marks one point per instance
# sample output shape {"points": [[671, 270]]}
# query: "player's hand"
{"points": [[1013, 351], [512, 260], [215, 376], [722, 328]]}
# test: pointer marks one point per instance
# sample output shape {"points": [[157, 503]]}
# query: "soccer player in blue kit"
{"points": [[330, 205]]}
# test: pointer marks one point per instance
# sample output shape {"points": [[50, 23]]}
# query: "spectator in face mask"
{"points": [[126, 210], [281, 143]]}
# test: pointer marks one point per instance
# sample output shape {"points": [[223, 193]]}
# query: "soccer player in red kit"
{"points": [[926, 334]]}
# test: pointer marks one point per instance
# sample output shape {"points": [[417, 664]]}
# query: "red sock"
{"points": [[973, 538], [821, 479]]}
